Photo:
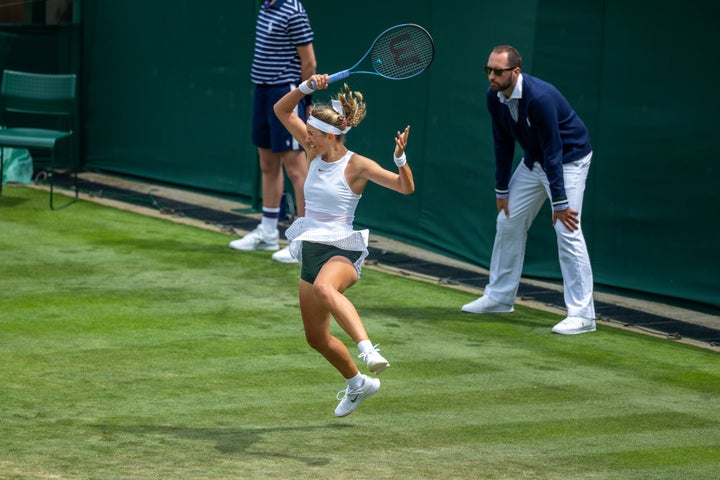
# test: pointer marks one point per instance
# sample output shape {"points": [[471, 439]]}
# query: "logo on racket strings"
{"points": [[403, 50]]}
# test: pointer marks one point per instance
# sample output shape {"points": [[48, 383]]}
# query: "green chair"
{"points": [[25, 98]]}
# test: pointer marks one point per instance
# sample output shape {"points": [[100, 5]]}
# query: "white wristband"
{"points": [[400, 162], [305, 88]]}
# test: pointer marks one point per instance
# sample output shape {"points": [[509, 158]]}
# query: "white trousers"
{"points": [[528, 191]]}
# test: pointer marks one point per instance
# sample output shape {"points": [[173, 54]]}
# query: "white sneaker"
{"points": [[375, 362], [352, 398], [283, 256], [486, 305], [574, 325], [258, 239]]}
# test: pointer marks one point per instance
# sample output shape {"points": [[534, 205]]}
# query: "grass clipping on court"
{"points": [[134, 347]]}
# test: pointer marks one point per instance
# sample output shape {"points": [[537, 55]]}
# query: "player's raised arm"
{"points": [[285, 107]]}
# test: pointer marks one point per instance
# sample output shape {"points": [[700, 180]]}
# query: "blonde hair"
{"points": [[353, 110]]}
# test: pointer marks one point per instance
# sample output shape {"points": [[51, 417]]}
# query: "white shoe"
{"points": [[574, 325], [283, 256], [352, 398], [258, 239], [486, 305], [375, 362]]}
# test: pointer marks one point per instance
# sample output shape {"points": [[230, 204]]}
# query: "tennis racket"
{"points": [[400, 52]]}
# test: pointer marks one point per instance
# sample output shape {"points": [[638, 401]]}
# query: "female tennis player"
{"points": [[324, 241]]}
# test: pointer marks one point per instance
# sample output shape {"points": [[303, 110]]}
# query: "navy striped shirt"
{"points": [[281, 28]]}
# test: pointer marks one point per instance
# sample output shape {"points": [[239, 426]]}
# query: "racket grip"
{"points": [[338, 76], [334, 77]]}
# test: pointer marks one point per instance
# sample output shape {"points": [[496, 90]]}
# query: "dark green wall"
{"points": [[169, 91], [167, 97]]}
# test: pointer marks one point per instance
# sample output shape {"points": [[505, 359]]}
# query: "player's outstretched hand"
{"points": [[401, 139]]}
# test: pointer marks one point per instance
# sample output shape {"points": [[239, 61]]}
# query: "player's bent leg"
{"points": [[316, 322], [337, 275]]}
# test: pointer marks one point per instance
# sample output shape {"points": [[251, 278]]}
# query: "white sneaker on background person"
{"points": [[486, 305], [574, 325], [283, 256], [258, 239]]}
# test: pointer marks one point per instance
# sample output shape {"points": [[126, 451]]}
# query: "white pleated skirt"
{"points": [[339, 235]]}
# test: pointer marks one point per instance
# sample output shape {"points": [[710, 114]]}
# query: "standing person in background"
{"points": [[284, 56], [331, 251], [556, 159]]}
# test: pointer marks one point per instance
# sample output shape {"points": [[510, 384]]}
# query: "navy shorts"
{"points": [[267, 131], [315, 255]]}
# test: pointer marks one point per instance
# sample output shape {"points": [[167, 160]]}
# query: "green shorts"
{"points": [[315, 255]]}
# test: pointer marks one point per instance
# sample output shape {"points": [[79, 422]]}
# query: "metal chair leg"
{"points": [[51, 178]]}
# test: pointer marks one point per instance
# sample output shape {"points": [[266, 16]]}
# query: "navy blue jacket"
{"points": [[548, 130]]}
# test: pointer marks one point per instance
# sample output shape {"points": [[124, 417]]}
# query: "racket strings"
{"points": [[402, 52]]}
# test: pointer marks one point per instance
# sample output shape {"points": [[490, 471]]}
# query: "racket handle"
{"points": [[338, 76], [334, 77]]}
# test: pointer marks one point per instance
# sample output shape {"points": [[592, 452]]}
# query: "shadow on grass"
{"points": [[7, 200], [227, 440], [436, 315]]}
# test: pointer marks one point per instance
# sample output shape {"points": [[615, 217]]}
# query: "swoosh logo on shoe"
{"points": [[353, 400]]}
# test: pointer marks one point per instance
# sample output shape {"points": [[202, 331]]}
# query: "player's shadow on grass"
{"points": [[227, 440]]}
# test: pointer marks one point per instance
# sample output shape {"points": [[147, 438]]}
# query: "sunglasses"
{"points": [[496, 71]]}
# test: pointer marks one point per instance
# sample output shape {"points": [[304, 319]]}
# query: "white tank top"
{"points": [[328, 197]]}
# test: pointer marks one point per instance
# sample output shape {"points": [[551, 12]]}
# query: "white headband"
{"points": [[326, 127]]}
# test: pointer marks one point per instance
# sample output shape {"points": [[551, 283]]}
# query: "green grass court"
{"points": [[138, 348]]}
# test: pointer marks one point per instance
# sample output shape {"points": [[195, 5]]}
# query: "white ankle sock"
{"points": [[365, 346], [356, 381], [270, 219]]}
